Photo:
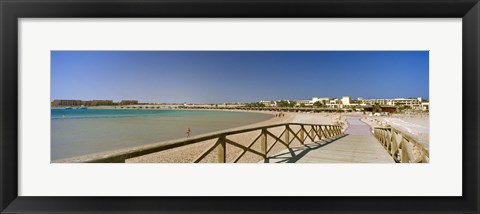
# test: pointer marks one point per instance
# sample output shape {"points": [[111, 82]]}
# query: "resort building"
{"points": [[388, 105], [334, 103], [304, 102], [346, 100], [322, 100], [425, 106], [413, 103], [268, 103]]}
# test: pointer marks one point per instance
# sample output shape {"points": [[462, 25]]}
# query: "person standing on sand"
{"points": [[187, 132]]}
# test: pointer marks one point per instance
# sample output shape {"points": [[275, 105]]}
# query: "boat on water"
{"points": [[68, 107]]}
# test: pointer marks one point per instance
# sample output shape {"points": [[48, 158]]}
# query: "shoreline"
{"points": [[270, 120], [188, 153]]}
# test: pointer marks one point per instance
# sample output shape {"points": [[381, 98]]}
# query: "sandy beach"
{"points": [[187, 154], [415, 125]]}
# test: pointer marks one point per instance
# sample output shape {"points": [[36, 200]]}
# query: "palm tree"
{"points": [[377, 107], [318, 104]]}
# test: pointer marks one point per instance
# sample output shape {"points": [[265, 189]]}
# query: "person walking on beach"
{"points": [[187, 132]]}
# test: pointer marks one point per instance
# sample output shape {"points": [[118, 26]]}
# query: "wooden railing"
{"points": [[401, 146], [286, 137]]}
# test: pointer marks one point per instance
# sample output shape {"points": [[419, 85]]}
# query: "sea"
{"points": [[76, 132]]}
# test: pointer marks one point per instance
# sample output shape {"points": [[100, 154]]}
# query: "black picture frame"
{"points": [[12, 10]]}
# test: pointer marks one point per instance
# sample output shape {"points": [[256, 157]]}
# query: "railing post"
{"points": [[393, 139], [287, 135], [384, 137], [264, 143], [302, 135], [222, 150], [404, 154]]}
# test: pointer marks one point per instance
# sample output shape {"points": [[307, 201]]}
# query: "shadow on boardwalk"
{"points": [[298, 152]]}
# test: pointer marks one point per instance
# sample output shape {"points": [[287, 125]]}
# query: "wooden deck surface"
{"points": [[357, 145]]}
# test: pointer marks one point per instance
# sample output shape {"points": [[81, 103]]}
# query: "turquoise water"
{"points": [[77, 132]]}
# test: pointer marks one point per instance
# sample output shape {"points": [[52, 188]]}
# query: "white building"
{"points": [[322, 100], [334, 103], [413, 103], [268, 103], [305, 102], [425, 106], [346, 100]]}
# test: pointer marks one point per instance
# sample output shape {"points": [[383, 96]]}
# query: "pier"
{"points": [[301, 143], [356, 145]]}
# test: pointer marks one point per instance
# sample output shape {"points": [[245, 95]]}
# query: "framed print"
{"points": [[227, 106]]}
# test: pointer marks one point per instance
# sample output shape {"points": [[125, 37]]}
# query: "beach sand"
{"points": [[187, 154]]}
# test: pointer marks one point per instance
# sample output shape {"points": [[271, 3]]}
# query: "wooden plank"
{"points": [[273, 144], [287, 134], [276, 138], [348, 149], [233, 143], [264, 143], [244, 151], [319, 132], [330, 131], [206, 152], [302, 134], [295, 135], [322, 131], [222, 150]]}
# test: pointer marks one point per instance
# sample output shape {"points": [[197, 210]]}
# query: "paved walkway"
{"points": [[357, 145], [358, 127]]}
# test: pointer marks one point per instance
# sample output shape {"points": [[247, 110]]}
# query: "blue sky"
{"points": [[237, 76]]}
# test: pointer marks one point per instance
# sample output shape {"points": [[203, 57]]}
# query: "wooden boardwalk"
{"points": [[357, 145]]}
